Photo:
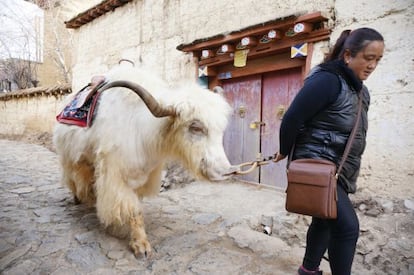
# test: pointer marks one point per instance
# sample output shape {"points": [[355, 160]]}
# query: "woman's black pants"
{"points": [[338, 236]]}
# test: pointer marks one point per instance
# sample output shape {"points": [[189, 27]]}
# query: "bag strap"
{"points": [[351, 136], [348, 143]]}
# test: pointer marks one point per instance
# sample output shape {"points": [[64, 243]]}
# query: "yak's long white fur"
{"points": [[120, 157]]}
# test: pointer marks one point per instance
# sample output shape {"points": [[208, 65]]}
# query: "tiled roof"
{"points": [[38, 91], [94, 12]]}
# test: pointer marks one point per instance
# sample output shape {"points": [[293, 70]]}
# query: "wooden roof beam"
{"points": [[281, 23]]}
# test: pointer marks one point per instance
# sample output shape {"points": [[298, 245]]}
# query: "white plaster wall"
{"points": [[388, 163], [149, 33], [26, 115]]}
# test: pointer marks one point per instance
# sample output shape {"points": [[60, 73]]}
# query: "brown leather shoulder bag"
{"points": [[312, 183]]}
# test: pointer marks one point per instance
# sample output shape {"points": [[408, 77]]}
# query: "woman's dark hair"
{"points": [[354, 41]]}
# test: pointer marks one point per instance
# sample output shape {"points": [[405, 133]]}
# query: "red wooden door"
{"points": [[259, 102], [278, 90], [241, 142]]}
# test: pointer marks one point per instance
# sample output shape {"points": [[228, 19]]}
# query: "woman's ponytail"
{"points": [[338, 47]]}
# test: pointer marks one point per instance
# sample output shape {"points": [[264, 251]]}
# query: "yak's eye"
{"points": [[198, 128]]}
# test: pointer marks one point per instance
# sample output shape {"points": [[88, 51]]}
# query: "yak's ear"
{"points": [[218, 90]]}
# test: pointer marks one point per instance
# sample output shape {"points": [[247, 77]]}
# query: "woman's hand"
{"points": [[278, 156]]}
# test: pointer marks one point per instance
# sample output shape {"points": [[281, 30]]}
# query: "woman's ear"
{"points": [[347, 56]]}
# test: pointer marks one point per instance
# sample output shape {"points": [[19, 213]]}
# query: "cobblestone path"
{"points": [[202, 228], [199, 228]]}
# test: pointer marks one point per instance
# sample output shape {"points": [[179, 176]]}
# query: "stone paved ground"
{"points": [[200, 228]]}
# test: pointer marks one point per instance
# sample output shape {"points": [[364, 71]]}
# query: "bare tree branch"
{"points": [[19, 71]]}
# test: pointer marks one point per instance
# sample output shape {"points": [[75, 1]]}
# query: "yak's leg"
{"points": [[118, 205], [84, 180], [139, 242], [79, 178], [67, 181], [152, 185]]}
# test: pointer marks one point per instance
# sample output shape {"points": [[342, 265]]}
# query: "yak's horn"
{"points": [[156, 109]]}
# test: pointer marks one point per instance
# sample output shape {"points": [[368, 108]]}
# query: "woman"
{"points": [[319, 122]]}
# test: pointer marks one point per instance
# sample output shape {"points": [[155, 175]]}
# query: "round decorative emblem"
{"points": [[299, 27]]}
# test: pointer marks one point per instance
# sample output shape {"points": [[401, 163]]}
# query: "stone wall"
{"points": [[388, 163], [31, 111], [149, 33]]}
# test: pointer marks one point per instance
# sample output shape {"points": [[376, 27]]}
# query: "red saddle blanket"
{"points": [[81, 109]]}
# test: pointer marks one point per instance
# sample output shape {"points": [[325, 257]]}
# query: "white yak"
{"points": [[119, 158]]}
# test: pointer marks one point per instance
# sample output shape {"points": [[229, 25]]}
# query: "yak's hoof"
{"points": [[76, 200], [141, 247]]}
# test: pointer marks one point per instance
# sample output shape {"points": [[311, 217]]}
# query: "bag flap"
{"points": [[311, 171]]}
